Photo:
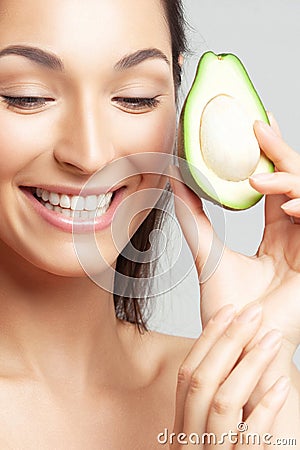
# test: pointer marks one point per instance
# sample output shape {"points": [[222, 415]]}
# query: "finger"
{"points": [[282, 183], [292, 207], [225, 412], [195, 225], [274, 214], [274, 123], [273, 211], [283, 156], [262, 417], [277, 183], [209, 336], [216, 366]]}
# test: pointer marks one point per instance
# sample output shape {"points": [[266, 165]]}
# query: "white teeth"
{"points": [[104, 199], [54, 198], [65, 201], [91, 203], [66, 212], [45, 195], [75, 206], [77, 203], [101, 200], [76, 214], [84, 214], [101, 211]]}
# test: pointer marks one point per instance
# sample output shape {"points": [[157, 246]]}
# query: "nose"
{"points": [[84, 145]]}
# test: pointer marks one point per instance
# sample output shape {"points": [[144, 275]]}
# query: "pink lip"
{"points": [[68, 224]]}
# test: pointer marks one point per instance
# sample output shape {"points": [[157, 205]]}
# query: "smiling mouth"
{"points": [[74, 206]]}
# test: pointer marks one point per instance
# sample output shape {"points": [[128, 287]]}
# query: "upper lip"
{"points": [[71, 190]]}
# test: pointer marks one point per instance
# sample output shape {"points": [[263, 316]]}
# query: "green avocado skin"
{"points": [[217, 67]]}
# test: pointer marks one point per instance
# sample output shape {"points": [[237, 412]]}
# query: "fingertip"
{"points": [[282, 385], [262, 177], [285, 208], [225, 315], [260, 185], [264, 127], [292, 206]]}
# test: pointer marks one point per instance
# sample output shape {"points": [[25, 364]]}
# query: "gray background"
{"points": [[266, 36]]}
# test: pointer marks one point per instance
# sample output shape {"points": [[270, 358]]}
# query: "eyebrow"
{"points": [[36, 55], [140, 56], [53, 62]]}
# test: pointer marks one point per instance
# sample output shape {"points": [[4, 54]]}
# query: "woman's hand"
{"points": [[215, 382], [286, 179], [273, 275]]}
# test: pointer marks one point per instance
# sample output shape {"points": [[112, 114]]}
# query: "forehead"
{"points": [[76, 28]]}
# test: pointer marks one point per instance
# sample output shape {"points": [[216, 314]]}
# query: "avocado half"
{"points": [[216, 136]]}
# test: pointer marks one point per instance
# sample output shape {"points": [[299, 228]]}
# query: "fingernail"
{"points": [[282, 384], [266, 127], [262, 177], [226, 314], [250, 313], [270, 340], [292, 204]]}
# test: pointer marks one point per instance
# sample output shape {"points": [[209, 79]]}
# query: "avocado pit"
{"points": [[227, 139]]}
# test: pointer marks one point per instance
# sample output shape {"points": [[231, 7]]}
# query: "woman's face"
{"points": [[74, 77]]}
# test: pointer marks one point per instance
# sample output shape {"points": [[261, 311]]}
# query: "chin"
{"points": [[63, 261]]}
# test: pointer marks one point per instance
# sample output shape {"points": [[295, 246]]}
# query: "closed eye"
{"points": [[137, 104], [131, 104], [25, 103]]}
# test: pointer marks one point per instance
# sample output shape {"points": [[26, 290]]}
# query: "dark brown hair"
{"points": [[128, 305]]}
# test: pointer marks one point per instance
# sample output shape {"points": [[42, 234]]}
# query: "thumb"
{"points": [[205, 246]]}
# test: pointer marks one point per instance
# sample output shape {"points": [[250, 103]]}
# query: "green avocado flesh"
{"points": [[216, 136]]}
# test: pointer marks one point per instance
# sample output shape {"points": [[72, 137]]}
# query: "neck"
{"points": [[56, 329]]}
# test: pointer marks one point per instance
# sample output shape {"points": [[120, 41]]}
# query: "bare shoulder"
{"points": [[157, 353], [168, 354], [174, 348], [168, 350]]}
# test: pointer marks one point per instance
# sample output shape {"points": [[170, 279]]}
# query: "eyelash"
{"points": [[137, 103], [129, 103], [28, 102]]}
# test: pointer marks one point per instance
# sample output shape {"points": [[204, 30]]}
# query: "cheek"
{"points": [[152, 132], [22, 139]]}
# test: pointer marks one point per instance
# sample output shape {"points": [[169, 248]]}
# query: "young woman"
{"points": [[83, 84]]}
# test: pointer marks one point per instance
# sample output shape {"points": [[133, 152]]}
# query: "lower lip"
{"points": [[70, 225]]}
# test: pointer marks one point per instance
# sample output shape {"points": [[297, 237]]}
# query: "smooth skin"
{"points": [[224, 391], [71, 374], [275, 268]]}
